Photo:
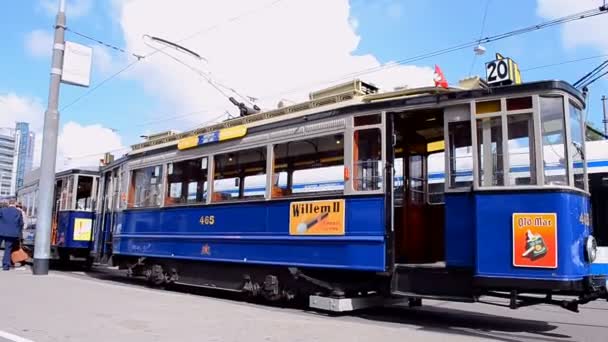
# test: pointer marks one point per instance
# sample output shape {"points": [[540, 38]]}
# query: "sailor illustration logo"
{"points": [[535, 246], [534, 240]]}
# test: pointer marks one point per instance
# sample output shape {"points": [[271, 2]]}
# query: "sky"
{"points": [[271, 50]]}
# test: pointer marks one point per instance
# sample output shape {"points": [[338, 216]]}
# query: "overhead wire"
{"points": [[564, 62], [589, 77], [562, 20], [108, 45], [140, 57], [483, 26], [207, 77]]}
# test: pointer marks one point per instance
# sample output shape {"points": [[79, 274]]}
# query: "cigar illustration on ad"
{"points": [[305, 226]]}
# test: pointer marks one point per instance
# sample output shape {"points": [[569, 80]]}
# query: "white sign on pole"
{"points": [[77, 60]]}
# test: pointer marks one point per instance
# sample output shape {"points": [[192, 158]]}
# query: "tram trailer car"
{"points": [[72, 216], [296, 201]]}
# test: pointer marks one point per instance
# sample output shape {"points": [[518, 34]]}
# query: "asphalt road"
{"points": [[105, 306]]}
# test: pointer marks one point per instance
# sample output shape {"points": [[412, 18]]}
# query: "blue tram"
{"points": [[73, 213], [334, 197]]}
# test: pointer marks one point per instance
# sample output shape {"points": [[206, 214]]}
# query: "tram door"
{"points": [[106, 217], [55, 212], [418, 223], [598, 185]]}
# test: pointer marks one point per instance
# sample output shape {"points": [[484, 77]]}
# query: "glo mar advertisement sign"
{"points": [[317, 217], [535, 240]]}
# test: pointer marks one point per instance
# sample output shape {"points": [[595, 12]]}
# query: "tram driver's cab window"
{"points": [[66, 186], [553, 135], [460, 150], [187, 182], [240, 175], [314, 165], [577, 145], [367, 159], [146, 187], [84, 193]]}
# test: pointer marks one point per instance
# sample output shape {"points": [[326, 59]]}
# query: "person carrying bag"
{"points": [[11, 225]]}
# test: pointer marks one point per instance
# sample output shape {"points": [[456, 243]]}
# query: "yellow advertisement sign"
{"points": [[317, 218], [83, 228]]}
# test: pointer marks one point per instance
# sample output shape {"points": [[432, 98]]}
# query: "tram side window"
{"points": [[146, 185], [521, 149], [489, 139], [553, 140], [578, 155], [461, 157], [240, 175], [187, 182], [367, 166], [309, 166], [84, 193]]}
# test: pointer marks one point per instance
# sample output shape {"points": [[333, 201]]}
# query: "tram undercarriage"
{"points": [[347, 289]]}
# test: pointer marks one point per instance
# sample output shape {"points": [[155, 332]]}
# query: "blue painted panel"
{"points": [[494, 233], [65, 229], [460, 230], [256, 232], [599, 269]]}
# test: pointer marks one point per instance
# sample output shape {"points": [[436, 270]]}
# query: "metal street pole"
{"points": [[42, 246]]}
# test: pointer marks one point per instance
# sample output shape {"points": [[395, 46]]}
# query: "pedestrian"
{"points": [[11, 224]]}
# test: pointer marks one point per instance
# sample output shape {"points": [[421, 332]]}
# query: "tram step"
{"points": [[432, 282]]}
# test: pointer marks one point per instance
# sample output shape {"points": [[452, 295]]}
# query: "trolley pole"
{"points": [[605, 121], [42, 246]]}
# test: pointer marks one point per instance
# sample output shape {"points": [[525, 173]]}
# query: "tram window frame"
{"points": [[362, 181], [283, 186], [457, 123], [577, 151], [561, 179], [188, 178], [512, 177], [91, 192], [66, 198], [158, 172], [242, 172]]}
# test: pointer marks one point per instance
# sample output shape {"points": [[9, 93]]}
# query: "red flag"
{"points": [[439, 78]]}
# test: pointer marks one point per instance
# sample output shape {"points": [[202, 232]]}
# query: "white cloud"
{"points": [[84, 146], [74, 8], [291, 44], [39, 43], [77, 145], [588, 32]]}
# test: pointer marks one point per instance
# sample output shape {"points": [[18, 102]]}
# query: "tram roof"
{"points": [[339, 99]]}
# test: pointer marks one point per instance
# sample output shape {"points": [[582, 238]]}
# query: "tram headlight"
{"points": [[590, 248]]}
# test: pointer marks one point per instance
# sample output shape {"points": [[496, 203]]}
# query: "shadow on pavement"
{"points": [[427, 318], [468, 323]]}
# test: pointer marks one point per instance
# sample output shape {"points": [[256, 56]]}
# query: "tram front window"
{"points": [[521, 149], [490, 151], [84, 193], [553, 140], [367, 167], [576, 143], [461, 158]]}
